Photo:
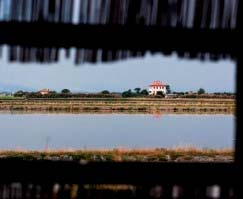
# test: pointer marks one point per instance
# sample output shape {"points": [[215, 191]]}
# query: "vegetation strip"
{"points": [[187, 154], [121, 104]]}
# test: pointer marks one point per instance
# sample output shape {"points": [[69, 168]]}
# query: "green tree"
{"points": [[168, 89], [201, 91], [144, 92], [137, 90], [105, 92], [127, 93], [65, 91], [160, 93], [19, 93]]}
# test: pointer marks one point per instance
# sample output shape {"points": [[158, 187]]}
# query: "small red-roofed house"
{"points": [[157, 86], [44, 91]]}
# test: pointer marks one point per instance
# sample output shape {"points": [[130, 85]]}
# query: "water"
{"points": [[84, 131]]}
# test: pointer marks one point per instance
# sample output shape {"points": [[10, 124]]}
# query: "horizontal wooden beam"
{"points": [[118, 173], [137, 38]]}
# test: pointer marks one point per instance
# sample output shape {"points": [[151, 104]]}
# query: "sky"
{"points": [[180, 74]]}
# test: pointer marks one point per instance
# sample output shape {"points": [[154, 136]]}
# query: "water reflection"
{"points": [[80, 131], [157, 115]]}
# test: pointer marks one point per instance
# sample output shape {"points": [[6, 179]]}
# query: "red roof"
{"points": [[44, 90], [157, 83]]}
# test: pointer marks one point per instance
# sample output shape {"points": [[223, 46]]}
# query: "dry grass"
{"points": [[123, 154], [226, 106]]}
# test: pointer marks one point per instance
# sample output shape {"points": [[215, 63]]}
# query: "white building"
{"points": [[44, 91], [157, 86]]}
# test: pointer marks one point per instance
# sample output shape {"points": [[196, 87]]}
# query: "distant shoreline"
{"points": [[185, 154], [120, 105]]}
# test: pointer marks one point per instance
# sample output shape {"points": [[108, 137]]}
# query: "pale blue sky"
{"points": [[181, 75]]}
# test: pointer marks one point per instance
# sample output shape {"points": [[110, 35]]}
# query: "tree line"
{"points": [[65, 93], [136, 92]]}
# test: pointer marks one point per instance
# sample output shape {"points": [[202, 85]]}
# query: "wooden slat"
{"points": [[137, 38], [118, 173]]}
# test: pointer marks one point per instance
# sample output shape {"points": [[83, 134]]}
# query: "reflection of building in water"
{"points": [[157, 115], [157, 87]]}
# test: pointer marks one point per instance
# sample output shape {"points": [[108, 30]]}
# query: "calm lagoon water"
{"points": [[83, 131]]}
